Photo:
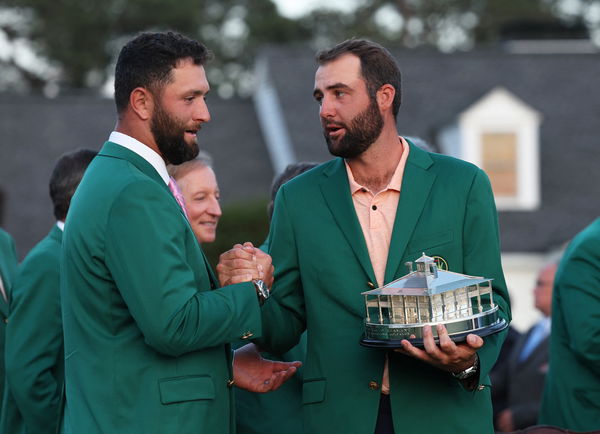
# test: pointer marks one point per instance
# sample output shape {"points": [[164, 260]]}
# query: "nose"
{"points": [[214, 207], [201, 112], [327, 109]]}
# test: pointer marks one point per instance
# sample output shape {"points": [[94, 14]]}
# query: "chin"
{"points": [[204, 238]]}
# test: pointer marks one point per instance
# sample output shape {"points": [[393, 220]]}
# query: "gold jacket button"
{"points": [[371, 285], [480, 387], [230, 383], [373, 385]]}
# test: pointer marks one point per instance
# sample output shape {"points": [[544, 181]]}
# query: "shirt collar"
{"points": [[143, 151], [396, 180], [61, 225]]}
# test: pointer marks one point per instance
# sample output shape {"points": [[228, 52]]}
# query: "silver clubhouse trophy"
{"points": [[429, 296]]}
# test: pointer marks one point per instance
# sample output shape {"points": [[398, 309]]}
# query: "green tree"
{"points": [[82, 37]]}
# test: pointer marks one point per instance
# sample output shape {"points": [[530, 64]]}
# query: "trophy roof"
{"points": [[417, 283]]}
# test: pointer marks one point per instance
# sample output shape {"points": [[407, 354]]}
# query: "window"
{"points": [[500, 134]]}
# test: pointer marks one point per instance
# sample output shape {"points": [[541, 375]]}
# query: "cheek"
{"points": [[196, 211]]}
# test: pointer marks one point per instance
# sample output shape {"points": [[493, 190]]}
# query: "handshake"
{"points": [[252, 372], [243, 263]]}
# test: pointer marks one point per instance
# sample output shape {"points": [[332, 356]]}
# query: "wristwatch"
{"points": [[469, 372], [262, 291]]}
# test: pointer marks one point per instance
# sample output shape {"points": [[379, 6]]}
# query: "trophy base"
{"points": [[391, 335]]}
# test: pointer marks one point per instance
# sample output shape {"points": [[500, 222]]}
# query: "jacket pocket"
{"points": [[313, 391], [426, 244], [189, 388]]}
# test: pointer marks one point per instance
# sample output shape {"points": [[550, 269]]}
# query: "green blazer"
{"points": [[34, 343], [322, 265], [146, 330], [8, 268], [572, 390]]}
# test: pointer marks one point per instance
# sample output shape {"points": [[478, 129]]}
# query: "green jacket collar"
{"points": [[416, 184]]}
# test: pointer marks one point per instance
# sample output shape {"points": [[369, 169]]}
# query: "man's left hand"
{"points": [[253, 373], [447, 355]]}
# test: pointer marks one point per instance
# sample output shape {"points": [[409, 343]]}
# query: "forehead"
{"points": [[188, 76], [345, 69], [199, 176]]}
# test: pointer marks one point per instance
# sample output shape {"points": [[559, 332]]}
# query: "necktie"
{"points": [[178, 196], [537, 335]]}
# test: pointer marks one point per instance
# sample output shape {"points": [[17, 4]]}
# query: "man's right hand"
{"points": [[243, 263]]}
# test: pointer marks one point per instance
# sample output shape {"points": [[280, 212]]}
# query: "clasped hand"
{"points": [[243, 263], [447, 355]]}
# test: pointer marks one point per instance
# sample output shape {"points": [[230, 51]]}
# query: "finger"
{"points": [[411, 350], [238, 263], [248, 244], [474, 341], [281, 377], [447, 345], [429, 343]]}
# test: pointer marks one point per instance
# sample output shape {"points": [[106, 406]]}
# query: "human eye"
{"points": [[339, 93]]}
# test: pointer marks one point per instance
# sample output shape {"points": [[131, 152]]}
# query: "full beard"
{"points": [[363, 130], [169, 137]]}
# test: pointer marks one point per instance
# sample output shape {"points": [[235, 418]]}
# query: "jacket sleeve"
{"points": [[481, 243], [284, 315], [147, 240]]}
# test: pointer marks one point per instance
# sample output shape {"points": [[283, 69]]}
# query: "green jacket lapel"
{"points": [[116, 151], [336, 191], [416, 184]]}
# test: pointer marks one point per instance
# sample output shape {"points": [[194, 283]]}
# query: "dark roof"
{"points": [[36, 131], [437, 87]]}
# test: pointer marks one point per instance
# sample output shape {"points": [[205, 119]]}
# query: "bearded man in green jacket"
{"points": [[350, 225], [146, 325]]}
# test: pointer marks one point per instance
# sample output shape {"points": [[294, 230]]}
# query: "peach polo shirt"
{"points": [[376, 214]]}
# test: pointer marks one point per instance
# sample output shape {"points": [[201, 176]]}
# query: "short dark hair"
{"points": [[378, 66], [290, 172], [148, 59], [65, 178]]}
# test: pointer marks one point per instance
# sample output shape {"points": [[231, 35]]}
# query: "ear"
{"points": [[141, 102], [385, 97]]}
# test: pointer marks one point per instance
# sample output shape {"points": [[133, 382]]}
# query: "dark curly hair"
{"points": [[148, 59]]}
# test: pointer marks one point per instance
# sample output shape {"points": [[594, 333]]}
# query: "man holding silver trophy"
{"points": [[349, 226]]}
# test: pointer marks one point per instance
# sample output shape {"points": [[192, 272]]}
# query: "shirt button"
{"points": [[373, 385], [374, 207]]}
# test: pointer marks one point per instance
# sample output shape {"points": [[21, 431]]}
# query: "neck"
{"points": [[139, 132], [375, 167]]}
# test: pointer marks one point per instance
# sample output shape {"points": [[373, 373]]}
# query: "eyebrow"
{"points": [[332, 87]]}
